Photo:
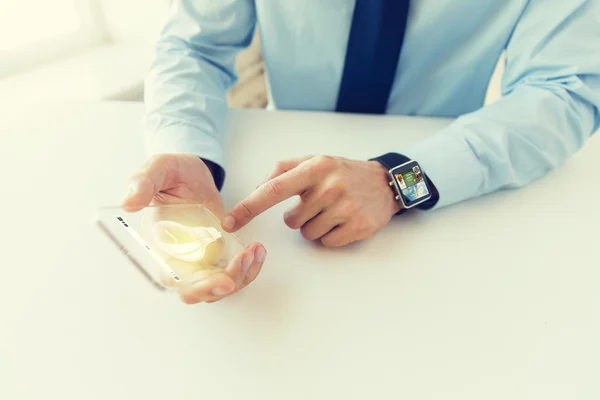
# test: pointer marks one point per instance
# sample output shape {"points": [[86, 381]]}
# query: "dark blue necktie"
{"points": [[374, 47]]}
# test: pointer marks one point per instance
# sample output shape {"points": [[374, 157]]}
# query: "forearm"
{"points": [[507, 144], [550, 106], [185, 90]]}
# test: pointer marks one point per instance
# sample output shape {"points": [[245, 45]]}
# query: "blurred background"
{"points": [[101, 50]]}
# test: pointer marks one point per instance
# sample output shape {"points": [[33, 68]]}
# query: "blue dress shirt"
{"points": [[551, 85]]}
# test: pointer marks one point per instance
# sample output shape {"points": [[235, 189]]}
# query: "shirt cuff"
{"points": [[174, 139], [217, 172], [449, 162]]}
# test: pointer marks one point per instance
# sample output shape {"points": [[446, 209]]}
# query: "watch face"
{"points": [[411, 183]]}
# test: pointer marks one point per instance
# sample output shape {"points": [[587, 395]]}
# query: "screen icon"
{"points": [[400, 180]]}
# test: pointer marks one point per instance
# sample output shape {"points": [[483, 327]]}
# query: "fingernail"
{"points": [[260, 254], [131, 189], [247, 261], [221, 291], [228, 223]]}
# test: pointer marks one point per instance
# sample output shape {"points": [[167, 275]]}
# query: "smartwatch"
{"points": [[408, 181]]}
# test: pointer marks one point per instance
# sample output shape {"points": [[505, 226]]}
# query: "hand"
{"points": [[185, 178], [341, 200]]}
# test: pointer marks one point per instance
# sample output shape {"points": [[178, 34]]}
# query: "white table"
{"points": [[495, 298]]}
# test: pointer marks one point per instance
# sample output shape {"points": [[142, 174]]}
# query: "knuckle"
{"points": [[248, 279], [275, 188], [292, 221], [366, 230], [245, 211], [323, 163], [308, 233], [349, 208], [330, 242], [340, 183], [325, 160], [252, 275], [332, 192]]}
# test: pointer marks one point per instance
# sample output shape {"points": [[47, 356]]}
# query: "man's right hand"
{"points": [[181, 179]]}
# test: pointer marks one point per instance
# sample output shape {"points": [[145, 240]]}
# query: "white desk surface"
{"points": [[495, 298]]}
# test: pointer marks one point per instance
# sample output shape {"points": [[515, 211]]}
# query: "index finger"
{"points": [[272, 192]]}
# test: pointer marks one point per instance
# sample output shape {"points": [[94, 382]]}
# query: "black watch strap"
{"points": [[391, 160]]}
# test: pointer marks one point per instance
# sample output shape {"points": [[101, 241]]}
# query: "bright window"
{"points": [[23, 22], [34, 31]]}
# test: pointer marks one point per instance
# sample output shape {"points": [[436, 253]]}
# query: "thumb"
{"points": [[139, 195], [144, 184]]}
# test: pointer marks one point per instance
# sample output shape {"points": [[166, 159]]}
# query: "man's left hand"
{"points": [[341, 200]]}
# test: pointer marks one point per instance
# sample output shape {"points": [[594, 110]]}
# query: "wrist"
{"points": [[392, 206], [424, 195]]}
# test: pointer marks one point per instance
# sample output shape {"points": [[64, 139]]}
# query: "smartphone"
{"points": [[173, 246]]}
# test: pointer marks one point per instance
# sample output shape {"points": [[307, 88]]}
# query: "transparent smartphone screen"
{"points": [[174, 246]]}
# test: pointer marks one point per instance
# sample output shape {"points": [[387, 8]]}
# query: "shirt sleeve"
{"points": [[550, 107], [194, 66]]}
